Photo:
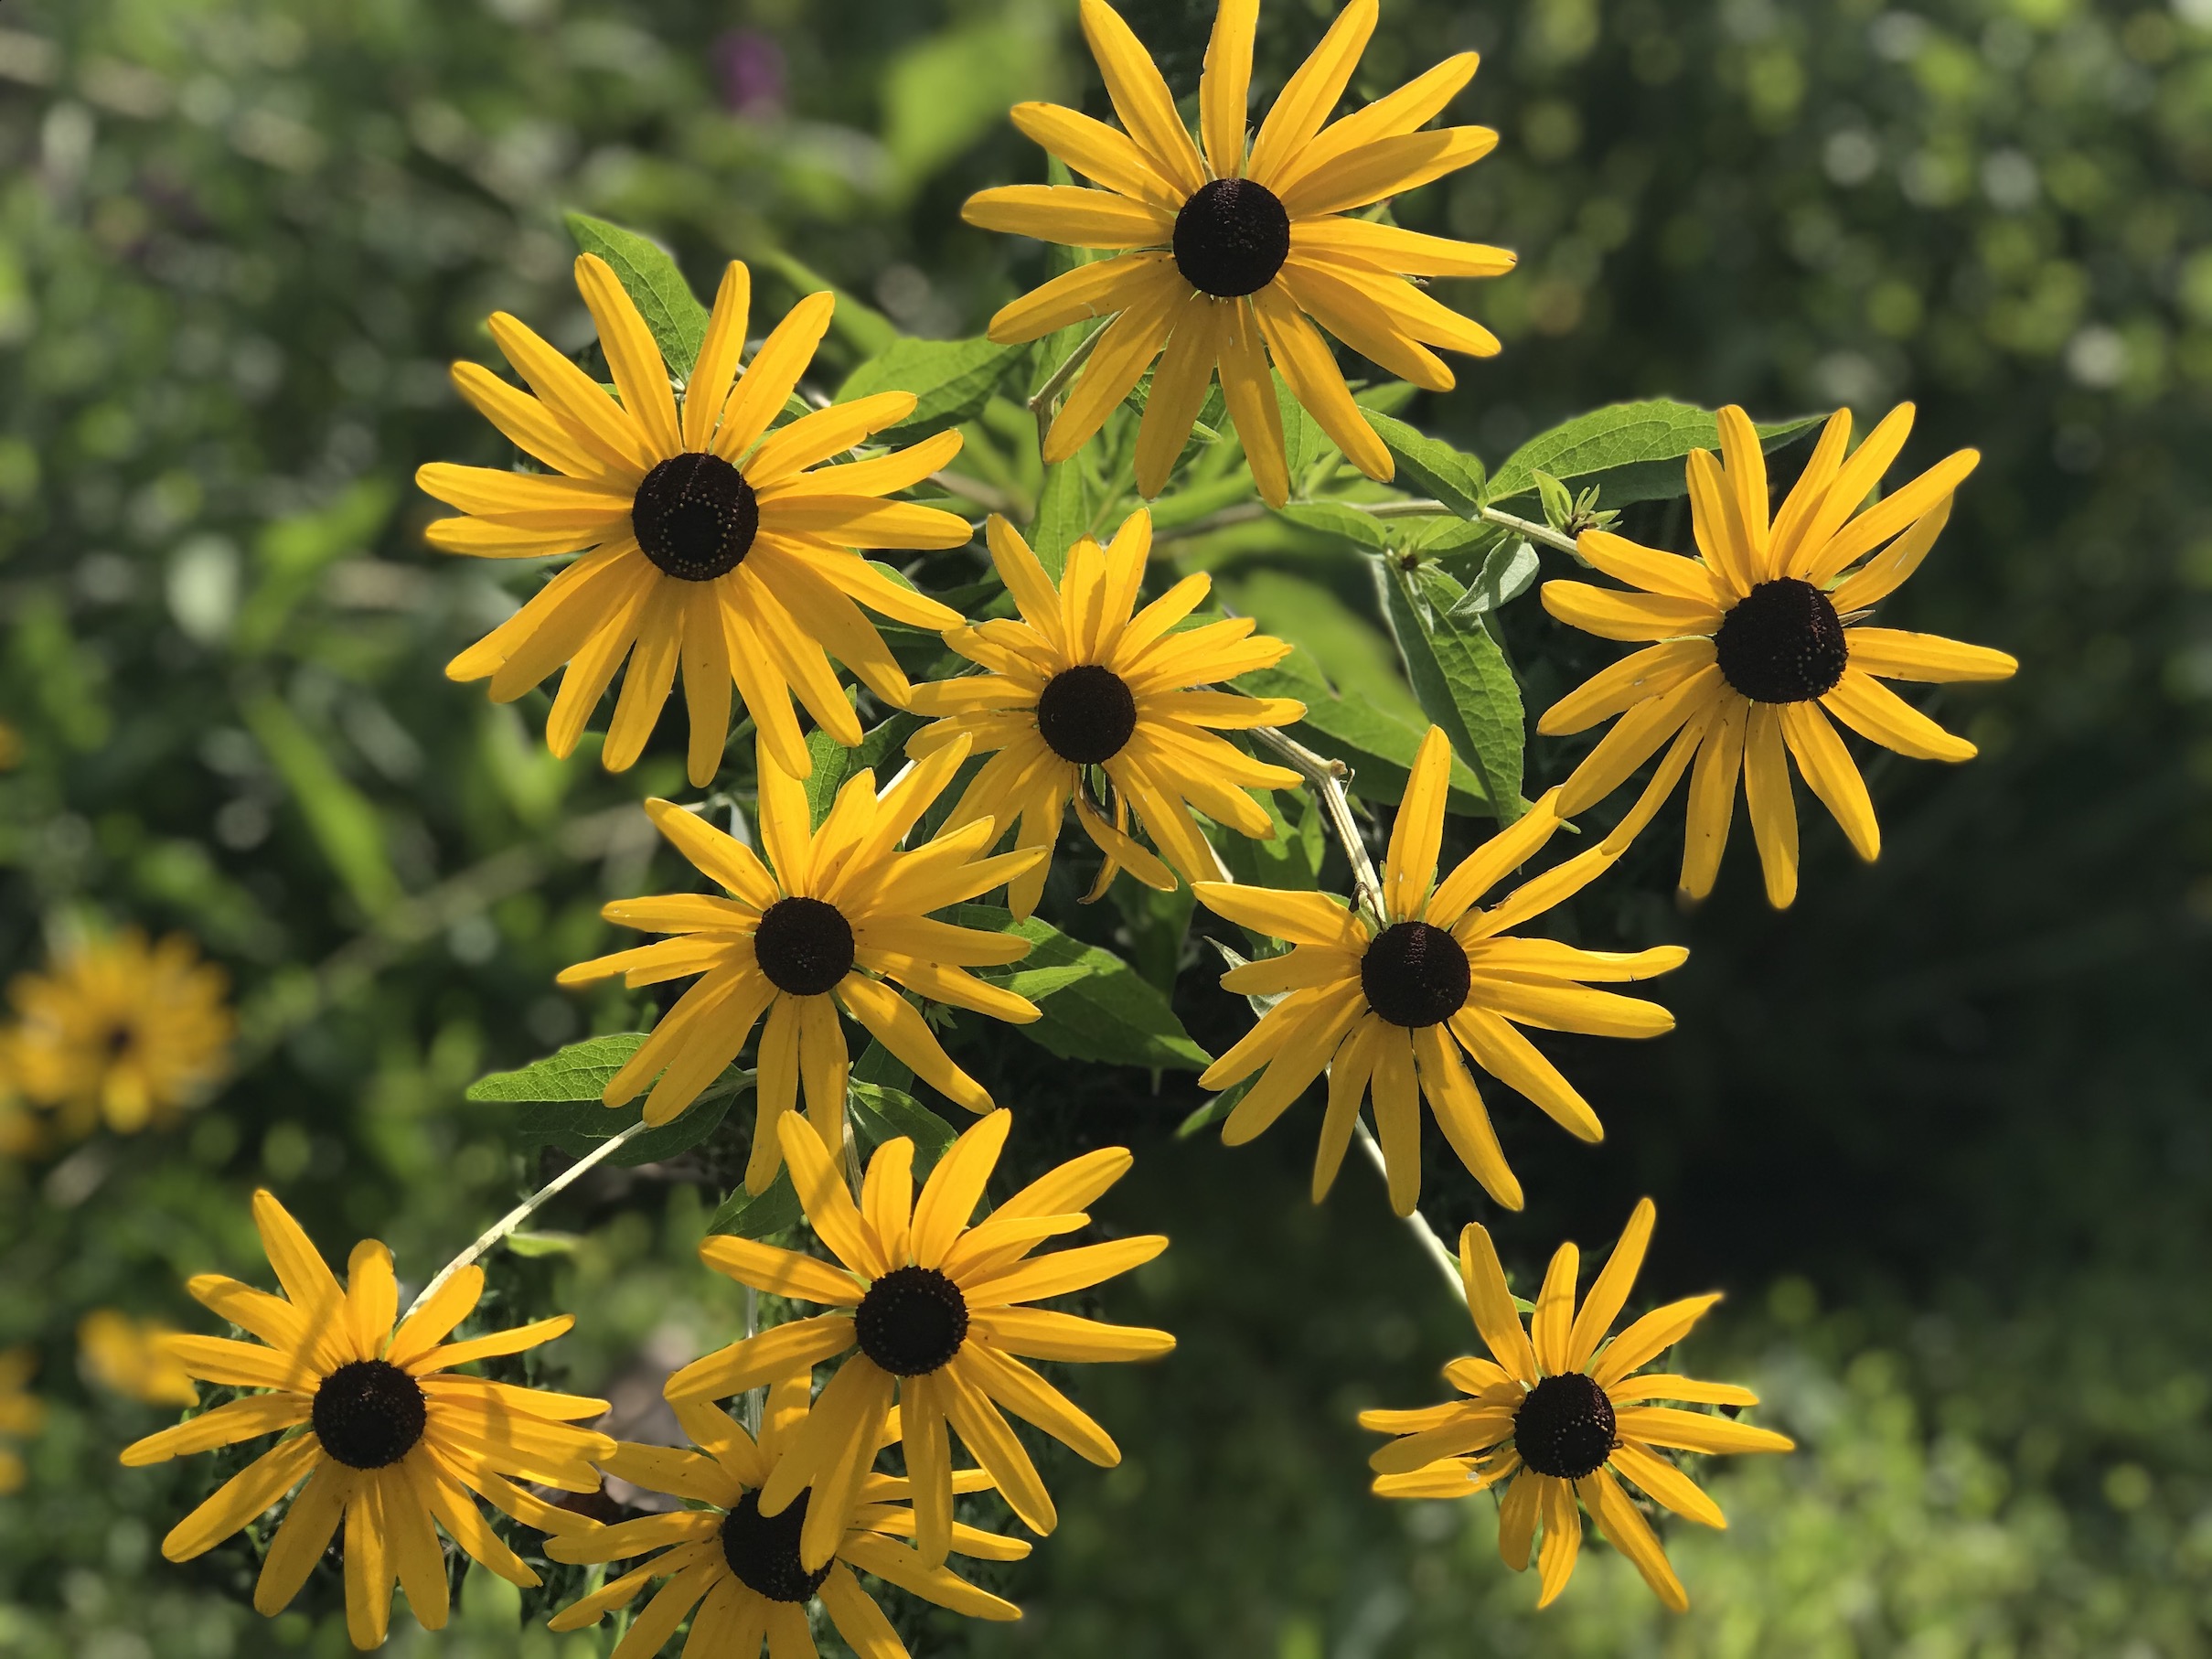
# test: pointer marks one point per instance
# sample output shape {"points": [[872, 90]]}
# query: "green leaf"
{"points": [[835, 764], [1386, 397], [744, 1214], [653, 283], [951, 379], [1452, 477], [1107, 1013], [881, 1114], [1377, 745], [559, 1102], [1636, 451], [1063, 514], [1305, 444], [345, 822], [1335, 518], [862, 328], [1559, 505], [1508, 573], [1463, 682]]}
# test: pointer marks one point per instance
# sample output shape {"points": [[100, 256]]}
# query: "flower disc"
{"points": [[695, 516], [369, 1413], [1231, 237], [1783, 642]]}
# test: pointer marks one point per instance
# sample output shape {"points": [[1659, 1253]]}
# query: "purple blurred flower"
{"points": [[751, 66]]}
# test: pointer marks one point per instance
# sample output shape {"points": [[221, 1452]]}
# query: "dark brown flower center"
{"points": [[804, 945], [1086, 715], [1565, 1427], [912, 1322], [368, 1413], [763, 1550], [1231, 237], [695, 516], [1415, 974], [1783, 642]]}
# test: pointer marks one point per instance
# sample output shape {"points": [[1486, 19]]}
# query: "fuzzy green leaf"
{"points": [[1105, 1012], [881, 1114], [951, 380], [762, 1216], [1335, 518], [1463, 682], [559, 1102], [1635, 451], [653, 283], [1451, 476], [1375, 744]]}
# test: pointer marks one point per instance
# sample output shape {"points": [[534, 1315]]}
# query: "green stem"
{"points": [[1328, 777], [521, 1212]]}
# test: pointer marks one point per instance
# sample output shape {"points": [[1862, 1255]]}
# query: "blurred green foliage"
{"points": [[1941, 1127]]}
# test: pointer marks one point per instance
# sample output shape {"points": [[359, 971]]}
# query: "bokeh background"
{"points": [[1940, 1131]]}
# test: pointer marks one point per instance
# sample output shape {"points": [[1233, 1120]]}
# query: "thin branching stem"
{"points": [[1329, 779], [523, 1211]]}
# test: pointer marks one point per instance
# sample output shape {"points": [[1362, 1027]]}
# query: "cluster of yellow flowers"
{"points": [[710, 533]]}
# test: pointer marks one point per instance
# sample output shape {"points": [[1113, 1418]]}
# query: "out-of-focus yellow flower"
{"points": [[21, 1412], [126, 1355], [11, 747], [21, 1133], [122, 1032]]}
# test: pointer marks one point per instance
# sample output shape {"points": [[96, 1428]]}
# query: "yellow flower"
{"points": [[130, 1356], [741, 1568], [1393, 1008], [1758, 635], [22, 1133], [1081, 682], [386, 1434], [838, 917], [1560, 1413], [930, 1303], [122, 1032], [21, 1412], [707, 540], [1225, 257]]}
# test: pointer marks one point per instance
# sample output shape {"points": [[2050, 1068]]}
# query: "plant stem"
{"points": [[521, 1212], [1533, 531], [1328, 777], [1384, 510], [1434, 1247], [1040, 401]]}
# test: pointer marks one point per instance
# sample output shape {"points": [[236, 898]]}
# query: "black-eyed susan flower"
{"points": [[707, 540], [1761, 638], [1224, 258], [387, 1436], [1558, 1412], [132, 1357], [837, 918], [122, 1032], [22, 1413], [934, 1307], [1086, 683], [742, 1569], [1388, 1008]]}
